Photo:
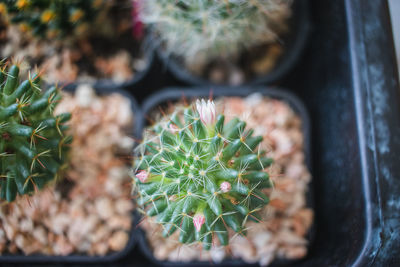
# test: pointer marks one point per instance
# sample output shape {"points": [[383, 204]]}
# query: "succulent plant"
{"points": [[201, 175], [33, 143], [210, 29], [52, 18]]}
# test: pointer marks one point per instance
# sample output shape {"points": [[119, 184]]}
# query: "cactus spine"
{"points": [[201, 175], [33, 143], [51, 19], [210, 29]]}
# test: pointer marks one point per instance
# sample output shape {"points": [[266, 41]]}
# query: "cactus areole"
{"points": [[200, 175], [32, 139]]}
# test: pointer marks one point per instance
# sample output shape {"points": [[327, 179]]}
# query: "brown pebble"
{"points": [[100, 248], [297, 252], [278, 204], [118, 240], [119, 223], [62, 246]]}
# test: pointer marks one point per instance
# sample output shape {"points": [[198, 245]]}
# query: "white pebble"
{"points": [[39, 233], [84, 95], [217, 254], [262, 239], [104, 208], [236, 77], [26, 225], [126, 143]]}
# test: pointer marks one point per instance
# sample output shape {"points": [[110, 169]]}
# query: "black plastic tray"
{"points": [[347, 78], [171, 95], [294, 44], [82, 258]]}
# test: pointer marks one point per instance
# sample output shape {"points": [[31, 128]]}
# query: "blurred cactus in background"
{"points": [[209, 29], [201, 175], [53, 18], [33, 142]]}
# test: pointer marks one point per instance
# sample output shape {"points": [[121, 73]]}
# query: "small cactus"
{"points": [[211, 29], [52, 19], [33, 143], [201, 175]]}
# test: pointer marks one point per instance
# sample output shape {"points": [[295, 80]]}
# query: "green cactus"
{"points": [[194, 169], [33, 144], [52, 18], [211, 29]]}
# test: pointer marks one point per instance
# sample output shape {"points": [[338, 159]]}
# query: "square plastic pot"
{"points": [[294, 43], [82, 258], [171, 95]]}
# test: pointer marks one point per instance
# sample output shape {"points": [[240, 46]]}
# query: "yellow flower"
{"points": [[3, 8], [21, 4], [76, 15], [47, 16], [24, 27]]}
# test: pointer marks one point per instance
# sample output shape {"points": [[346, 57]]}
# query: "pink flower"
{"points": [[206, 111], [137, 29], [225, 187], [142, 176], [198, 221]]}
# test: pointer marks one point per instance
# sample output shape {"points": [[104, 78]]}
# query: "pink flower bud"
{"points": [[206, 111], [173, 128], [198, 221], [142, 176], [225, 187]]}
